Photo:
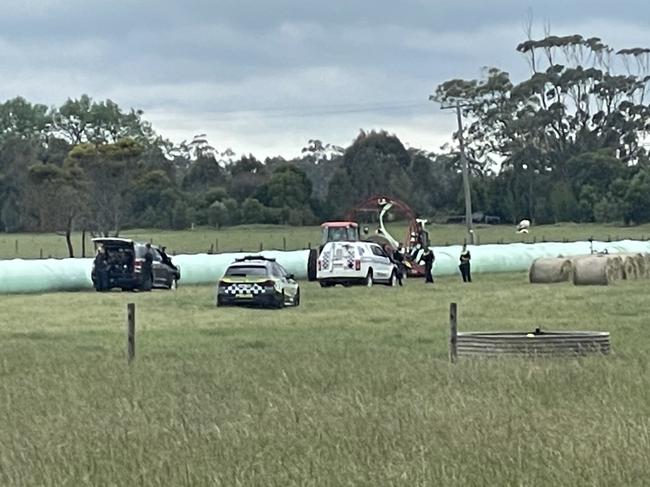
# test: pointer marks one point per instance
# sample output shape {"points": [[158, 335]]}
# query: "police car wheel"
{"points": [[281, 301], [296, 299]]}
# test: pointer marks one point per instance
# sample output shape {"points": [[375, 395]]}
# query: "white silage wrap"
{"points": [[45, 275]]}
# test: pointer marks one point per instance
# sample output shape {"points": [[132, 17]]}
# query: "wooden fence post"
{"points": [[284, 243], [16, 246], [130, 331], [453, 331], [261, 246], [216, 245], [41, 253]]}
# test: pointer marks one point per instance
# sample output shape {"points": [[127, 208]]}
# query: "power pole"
{"points": [[463, 160], [468, 193]]}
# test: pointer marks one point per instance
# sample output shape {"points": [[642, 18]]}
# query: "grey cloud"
{"points": [[268, 75]]}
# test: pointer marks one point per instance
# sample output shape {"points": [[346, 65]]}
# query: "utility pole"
{"points": [[468, 193], [463, 160]]}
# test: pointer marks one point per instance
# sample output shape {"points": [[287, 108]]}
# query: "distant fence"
{"points": [[14, 248]]}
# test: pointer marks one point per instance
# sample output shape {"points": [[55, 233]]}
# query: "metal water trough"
{"points": [[471, 344], [538, 343]]}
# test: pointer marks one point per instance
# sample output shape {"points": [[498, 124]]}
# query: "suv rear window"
{"points": [[342, 251], [140, 250], [247, 271]]}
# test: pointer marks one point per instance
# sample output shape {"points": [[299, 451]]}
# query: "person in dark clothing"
{"points": [[464, 265], [166, 259], [101, 270], [428, 259], [398, 259], [147, 269]]}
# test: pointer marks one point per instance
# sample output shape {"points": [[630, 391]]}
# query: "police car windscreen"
{"points": [[246, 271]]}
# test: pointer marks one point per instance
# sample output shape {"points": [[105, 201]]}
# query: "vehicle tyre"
{"points": [[173, 285], [369, 280], [281, 301], [296, 299], [393, 279], [325, 284], [311, 264]]}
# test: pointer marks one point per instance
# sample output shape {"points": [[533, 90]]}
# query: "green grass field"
{"points": [[254, 237], [352, 388]]}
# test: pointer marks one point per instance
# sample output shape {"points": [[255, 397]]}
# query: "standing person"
{"points": [[101, 270], [428, 259], [147, 269], [398, 259], [464, 265]]}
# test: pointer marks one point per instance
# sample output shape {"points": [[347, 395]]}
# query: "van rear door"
{"points": [[344, 256]]}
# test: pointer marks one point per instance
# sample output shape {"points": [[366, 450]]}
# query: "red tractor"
{"points": [[339, 232]]}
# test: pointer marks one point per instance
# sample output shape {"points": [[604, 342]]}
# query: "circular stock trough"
{"points": [[537, 343]]}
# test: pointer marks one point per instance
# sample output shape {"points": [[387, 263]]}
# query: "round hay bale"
{"points": [[643, 263], [633, 265], [598, 270], [548, 270], [617, 265], [646, 264]]}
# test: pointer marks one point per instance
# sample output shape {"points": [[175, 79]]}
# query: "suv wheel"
{"points": [[393, 279], [369, 280]]}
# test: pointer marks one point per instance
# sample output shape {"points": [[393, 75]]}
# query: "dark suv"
{"points": [[124, 261]]}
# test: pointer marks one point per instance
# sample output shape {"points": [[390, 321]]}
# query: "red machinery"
{"points": [[416, 238]]}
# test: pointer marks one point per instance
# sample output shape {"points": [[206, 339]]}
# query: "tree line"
{"points": [[566, 144]]}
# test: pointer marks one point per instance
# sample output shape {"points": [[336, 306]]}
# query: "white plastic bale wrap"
{"points": [[33, 276], [45, 275], [36, 276], [519, 256]]}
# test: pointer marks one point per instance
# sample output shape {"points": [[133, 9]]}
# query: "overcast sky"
{"points": [[264, 77]]}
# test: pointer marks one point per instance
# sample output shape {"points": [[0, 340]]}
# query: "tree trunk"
{"points": [[68, 240], [83, 243]]}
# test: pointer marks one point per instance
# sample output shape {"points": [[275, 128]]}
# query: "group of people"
{"points": [[427, 258]]}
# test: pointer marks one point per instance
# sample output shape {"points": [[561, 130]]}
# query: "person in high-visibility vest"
{"points": [[464, 265]]}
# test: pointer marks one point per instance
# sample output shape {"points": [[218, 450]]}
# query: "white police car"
{"points": [[260, 281]]}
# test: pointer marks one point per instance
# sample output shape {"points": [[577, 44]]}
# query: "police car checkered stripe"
{"points": [[244, 288]]}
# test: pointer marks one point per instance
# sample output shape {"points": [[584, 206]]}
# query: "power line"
{"points": [[290, 112]]}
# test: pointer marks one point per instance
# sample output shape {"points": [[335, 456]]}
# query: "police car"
{"points": [[260, 281]]}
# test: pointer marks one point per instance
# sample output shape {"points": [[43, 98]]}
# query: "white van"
{"points": [[350, 263]]}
